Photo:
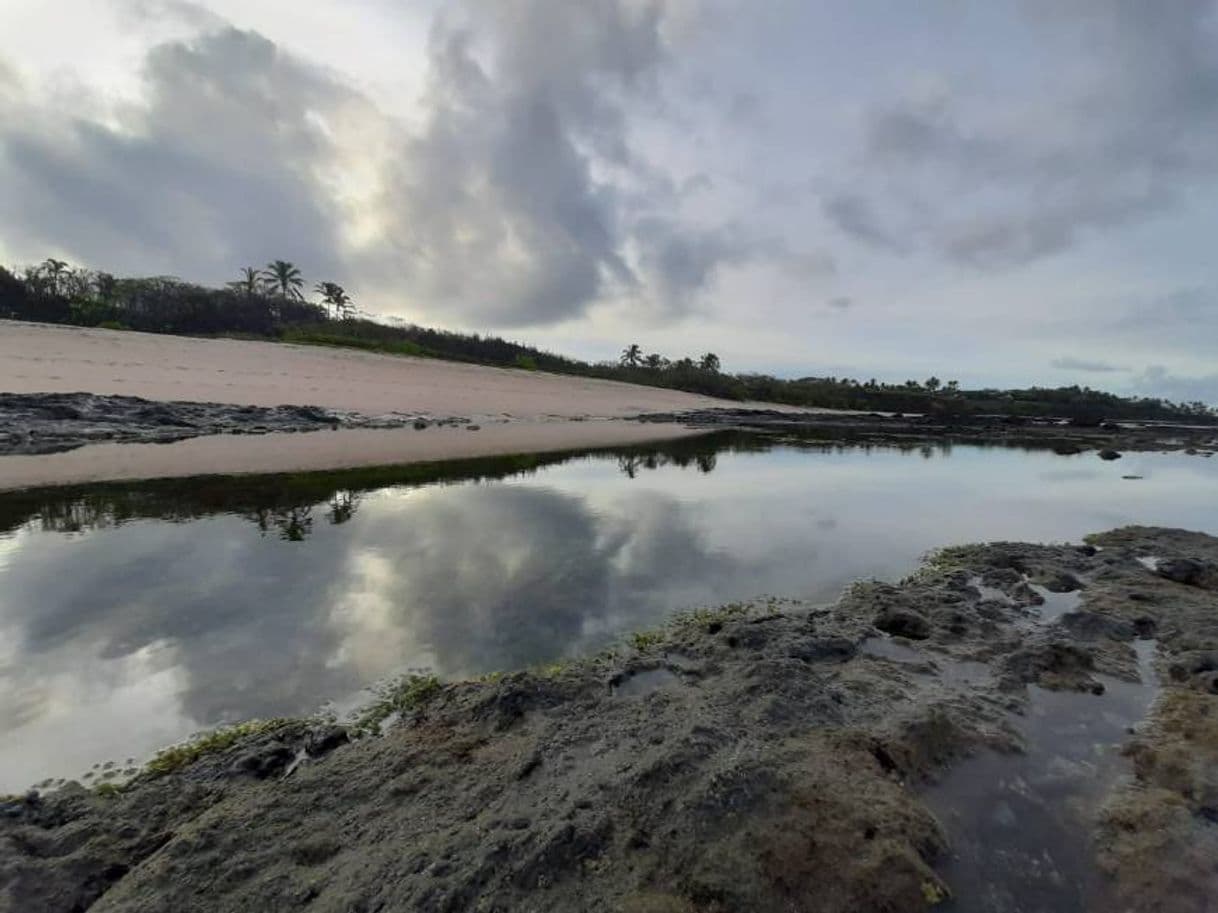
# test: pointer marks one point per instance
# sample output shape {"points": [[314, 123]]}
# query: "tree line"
{"points": [[271, 303]]}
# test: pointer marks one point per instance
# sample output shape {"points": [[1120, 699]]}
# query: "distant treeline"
{"points": [[270, 304]]}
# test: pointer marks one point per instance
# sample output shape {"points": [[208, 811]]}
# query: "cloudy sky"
{"points": [[1001, 192]]}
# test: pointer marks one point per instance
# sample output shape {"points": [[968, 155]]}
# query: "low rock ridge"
{"points": [[1107, 438], [39, 423]]}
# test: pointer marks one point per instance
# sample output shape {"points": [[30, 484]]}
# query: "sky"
{"points": [[1003, 193]]}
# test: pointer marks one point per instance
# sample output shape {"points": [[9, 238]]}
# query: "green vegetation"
{"points": [[323, 336], [178, 756], [645, 640], [408, 693], [269, 304]]}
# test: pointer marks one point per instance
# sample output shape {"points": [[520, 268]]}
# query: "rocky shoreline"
{"points": [[771, 756], [1107, 438], [44, 423], [41, 423]]}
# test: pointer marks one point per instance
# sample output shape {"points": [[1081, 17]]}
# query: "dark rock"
{"points": [[315, 851], [1181, 570], [323, 741], [1060, 582], [1094, 626], [1052, 664], [902, 623], [1198, 669], [265, 761], [528, 766], [824, 649], [752, 637], [1207, 682], [1145, 626], [1108, 454], [37, 423]]}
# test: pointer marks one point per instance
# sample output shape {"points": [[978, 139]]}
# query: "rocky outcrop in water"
{"points": [[764, 757], [34, 423], [1107, 439]]}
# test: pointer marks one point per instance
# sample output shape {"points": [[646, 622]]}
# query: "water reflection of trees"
{"points": [[632, 464], [290, 505], [295, 524]]}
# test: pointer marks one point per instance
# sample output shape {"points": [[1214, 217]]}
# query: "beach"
{"points": [[507, 411]]}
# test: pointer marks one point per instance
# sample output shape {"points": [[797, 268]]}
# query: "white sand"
{"points": [[519, 411], [40, 358]]}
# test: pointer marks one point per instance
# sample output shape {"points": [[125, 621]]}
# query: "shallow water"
{"points": [[1019, 824], [133, 616]]}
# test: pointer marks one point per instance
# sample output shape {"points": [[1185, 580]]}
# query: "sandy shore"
{"points": [[228, 454], [518, 411], [41, 358]]}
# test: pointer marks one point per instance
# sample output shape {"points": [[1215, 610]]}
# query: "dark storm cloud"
{"points": [[857, 217], [679, 262], [502, 209], [1133, 125], [216, 171]]}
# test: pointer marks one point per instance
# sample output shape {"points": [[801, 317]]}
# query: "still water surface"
{"points": [[133, 616]]}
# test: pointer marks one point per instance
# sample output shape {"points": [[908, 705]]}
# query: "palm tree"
{"points": [[335, 296], [710, 362], [250, 284], [632, 355], [655, 361], [55, 271], [932, 383], [284, 279]]}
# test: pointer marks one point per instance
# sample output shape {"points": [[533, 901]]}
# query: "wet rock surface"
{"points": [[738, 760], [1106, 439], [36, 423]]}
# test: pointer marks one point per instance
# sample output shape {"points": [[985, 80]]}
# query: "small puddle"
{"points": [[989, 593], [1020, 825], [644, 682], [1056, 605]]}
